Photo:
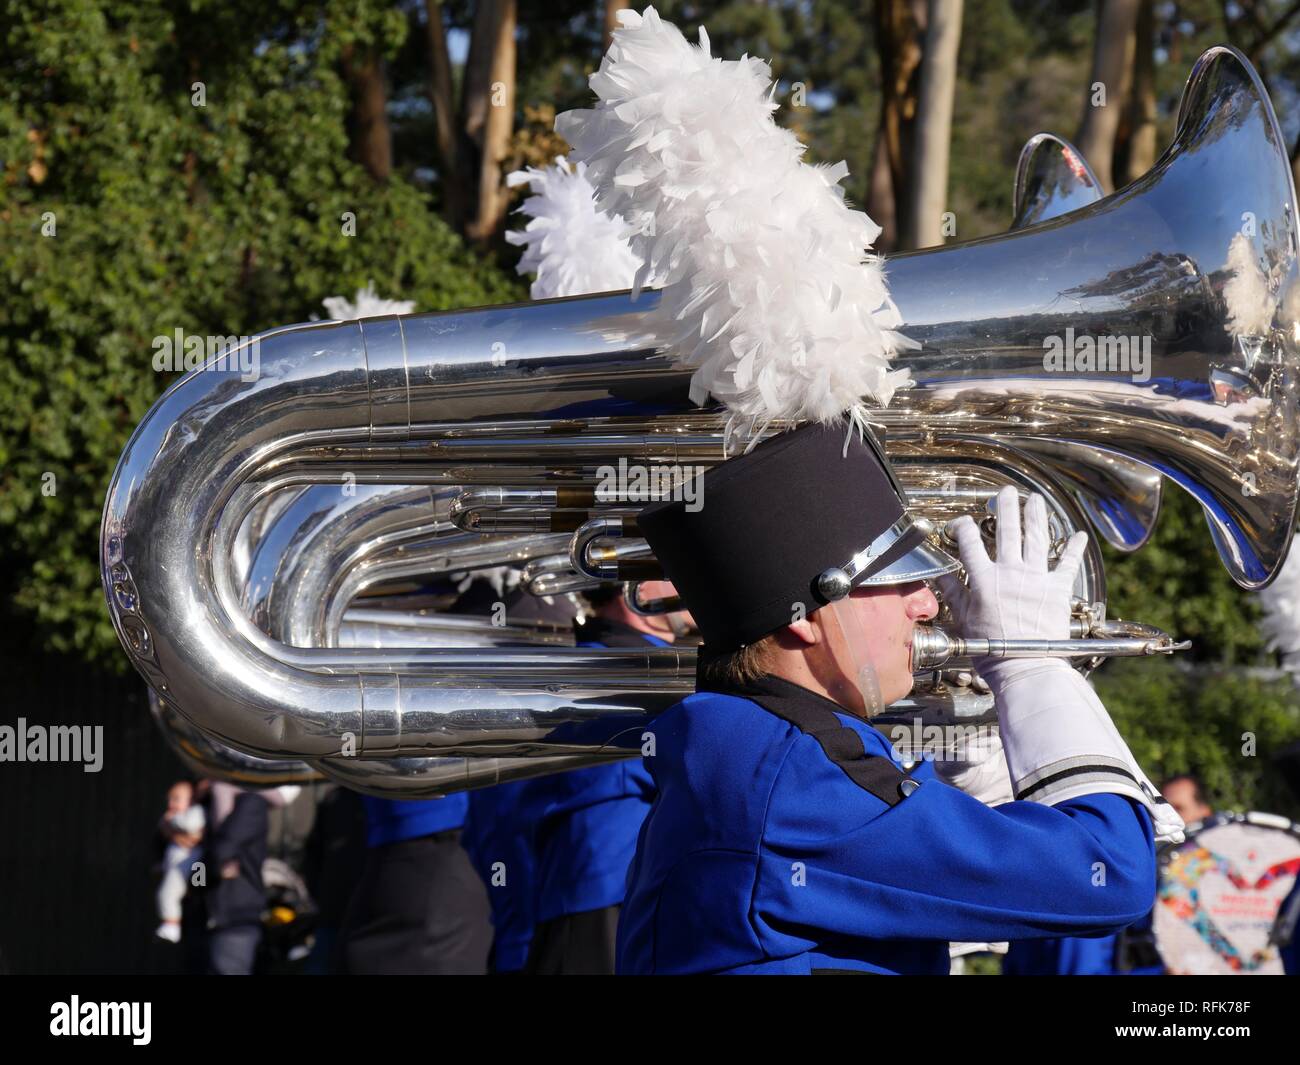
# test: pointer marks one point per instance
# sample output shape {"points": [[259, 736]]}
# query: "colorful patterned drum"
{"points": [[1220, 893]]}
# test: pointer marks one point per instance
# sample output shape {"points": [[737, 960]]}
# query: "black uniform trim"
{"points": [[1075, 771], [814, 715]]}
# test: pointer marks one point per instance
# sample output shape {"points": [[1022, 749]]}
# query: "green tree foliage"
{"points": [[1177, 583], [127, 210], [1219, 710], [1222, 724]]}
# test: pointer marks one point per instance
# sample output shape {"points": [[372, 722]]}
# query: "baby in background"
{"points": [[184, 816]]}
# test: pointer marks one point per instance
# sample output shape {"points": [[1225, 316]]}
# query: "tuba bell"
{"points": [[1086, 355], [1052, 178]]}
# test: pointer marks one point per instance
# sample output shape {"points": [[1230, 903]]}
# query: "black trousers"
{"points": [[578, 944], [420, 908], [233, 951]]}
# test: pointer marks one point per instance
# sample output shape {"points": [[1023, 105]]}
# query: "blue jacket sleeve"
{"points": [[942, 865], [500, 839]]}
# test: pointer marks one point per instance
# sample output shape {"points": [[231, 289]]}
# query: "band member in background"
{"points": [[783, 837], [420, 907], [499, 829], [1186, 794], [334, 856], [584, 823], [430, 900], [499, 837]]}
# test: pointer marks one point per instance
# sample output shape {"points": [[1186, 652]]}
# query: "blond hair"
{"points": [[734, 669]]}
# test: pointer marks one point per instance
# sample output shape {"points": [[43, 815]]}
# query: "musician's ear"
{"points": [[802, 633]]}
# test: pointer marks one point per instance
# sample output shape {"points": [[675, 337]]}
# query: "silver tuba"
{"points": [[305, 553], [1151, 333]]}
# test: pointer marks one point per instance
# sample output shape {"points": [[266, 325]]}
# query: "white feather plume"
{"points": [[503, 579], [572, 246], [1281, 603], [368, 304], [769, 292]]}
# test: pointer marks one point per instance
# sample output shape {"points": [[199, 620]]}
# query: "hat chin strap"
{"points": [[852, 649], [869, 688]]}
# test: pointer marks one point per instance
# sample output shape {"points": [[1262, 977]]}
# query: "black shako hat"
{"points": [[798, 520]]}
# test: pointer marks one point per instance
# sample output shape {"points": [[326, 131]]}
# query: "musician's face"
{"points": [[668, 626], [878, 629]]}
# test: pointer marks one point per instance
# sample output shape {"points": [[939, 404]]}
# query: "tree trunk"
{"points": [[475, 101], [498, 124], [372, 143], [1135, 148], [477, 82], [880, 196], [442, 97], [934, 125], [1112, 65], [900, 28]]}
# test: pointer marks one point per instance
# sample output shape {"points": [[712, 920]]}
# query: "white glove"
{"points": [[1017, 597], [1059, 740]]}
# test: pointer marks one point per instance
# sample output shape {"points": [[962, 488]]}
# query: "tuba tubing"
{"points": [[427, 399]]}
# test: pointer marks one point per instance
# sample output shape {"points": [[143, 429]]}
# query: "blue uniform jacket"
{"points": [[586, 821], [499, 838], [396, 820], [770, 849]]}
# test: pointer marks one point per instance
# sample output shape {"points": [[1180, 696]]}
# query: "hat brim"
{"points": [[922, 563]]}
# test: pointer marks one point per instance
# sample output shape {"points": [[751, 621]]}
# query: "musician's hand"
{"points": [[1017, 596], [1049, 718]]}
